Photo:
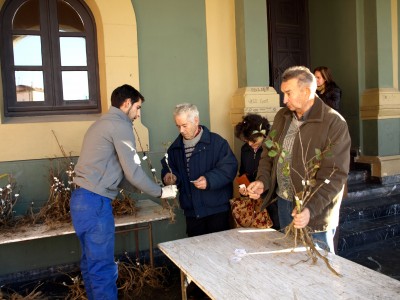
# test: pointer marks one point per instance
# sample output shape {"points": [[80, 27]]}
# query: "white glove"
{"points": [[169, 191]]}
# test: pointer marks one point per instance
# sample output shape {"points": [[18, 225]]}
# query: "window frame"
{"points": [[51, 61]]}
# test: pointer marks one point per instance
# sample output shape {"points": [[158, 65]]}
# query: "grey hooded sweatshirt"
{"points": [[109, 155]]}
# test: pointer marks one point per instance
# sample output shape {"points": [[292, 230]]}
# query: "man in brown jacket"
{"points": [[306, 124]]}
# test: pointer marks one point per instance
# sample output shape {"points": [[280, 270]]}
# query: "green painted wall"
{"points": [[384, 35], [360, 60], [33, 180], [398, 43], [378, 36], [252, 42], [172, 62], [371, 39], [255, 13], [334, 43], [382, 136], [240, 43]]}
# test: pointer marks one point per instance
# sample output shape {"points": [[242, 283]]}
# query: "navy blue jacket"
{"points": [[211, 158]]}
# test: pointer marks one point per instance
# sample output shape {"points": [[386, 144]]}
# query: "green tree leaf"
{"points": [[312, 182], [269, 143], [286, 170], [272, 153], [329, 154]]}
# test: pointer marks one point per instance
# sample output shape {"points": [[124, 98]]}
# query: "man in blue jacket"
{"points": [[203, 166]]}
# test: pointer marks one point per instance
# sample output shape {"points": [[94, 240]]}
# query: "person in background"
{"points": [[203, 167], [107, 157], [253, 130], [327, 89], [306, 124]]}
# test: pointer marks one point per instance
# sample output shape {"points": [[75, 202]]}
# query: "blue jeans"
{"points": [[94, 225], [285, 208], [323, 239]]}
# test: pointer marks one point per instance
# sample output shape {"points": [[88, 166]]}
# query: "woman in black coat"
{"points": [[327, 89], [253, 130]]}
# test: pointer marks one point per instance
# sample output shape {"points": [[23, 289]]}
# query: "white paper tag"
{"points": [[240, 252], [238, 255]]}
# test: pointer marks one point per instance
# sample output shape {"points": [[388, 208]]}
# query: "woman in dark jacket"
{"points": [[253, 130], [327, 89]]}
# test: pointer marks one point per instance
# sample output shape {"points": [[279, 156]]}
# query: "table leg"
{"points": [[136, 233], [151, 246], [183, 285], [136, 229]]}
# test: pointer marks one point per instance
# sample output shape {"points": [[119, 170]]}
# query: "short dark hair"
{"points": [[252, 127], [123, 92]]}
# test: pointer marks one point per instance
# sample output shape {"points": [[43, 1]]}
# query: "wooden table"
{"points": [[260, 264], [148, 212]]}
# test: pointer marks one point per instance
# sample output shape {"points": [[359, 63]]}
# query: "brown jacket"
{"points": [[323, 125]]}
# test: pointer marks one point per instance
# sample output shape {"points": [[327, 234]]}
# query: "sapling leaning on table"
{"points": [[309, 188], [8, 199], [56, 210], [164, 201]]}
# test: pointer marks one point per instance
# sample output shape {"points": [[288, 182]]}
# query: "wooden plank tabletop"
{"points": [[260, 264], [149, 211]]}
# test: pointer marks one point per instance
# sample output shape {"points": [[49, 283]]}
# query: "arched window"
{"points": [[49, 58]]}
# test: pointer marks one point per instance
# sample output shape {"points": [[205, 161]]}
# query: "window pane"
{"points": [[27, 16], [69, 20], [29, 86], [73, 51], [27, 50], [75, 85]]}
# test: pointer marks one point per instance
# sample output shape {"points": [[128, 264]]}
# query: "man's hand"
{"points": [[301, 220], [169, 178], [255, 189], [169, 192], [200, 183]]}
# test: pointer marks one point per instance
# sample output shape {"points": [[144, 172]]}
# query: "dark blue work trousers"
{"points": [[208, 224], [93, 221]]}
